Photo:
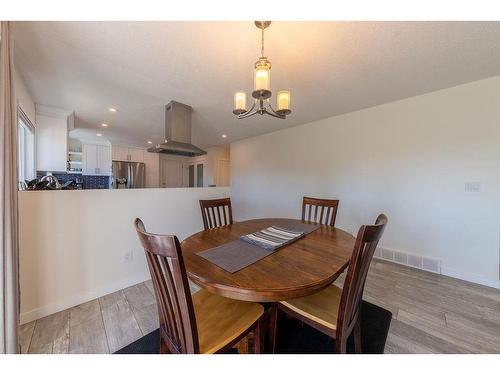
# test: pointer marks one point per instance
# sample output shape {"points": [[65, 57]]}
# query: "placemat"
{"points": [[236, 255]]}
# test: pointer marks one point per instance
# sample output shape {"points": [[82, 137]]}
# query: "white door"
{"points": [[89, 160], [104, 160], [120, 153], [170, 173], [136, 154], [223, 173]]}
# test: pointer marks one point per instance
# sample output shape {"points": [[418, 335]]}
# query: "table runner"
{"points": [[272, 238], [236, 255]]}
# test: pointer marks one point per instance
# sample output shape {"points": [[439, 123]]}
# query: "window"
{"points": [[26, 147]]}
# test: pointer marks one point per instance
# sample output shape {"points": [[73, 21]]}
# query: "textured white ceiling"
{"points": [[330, 68]]}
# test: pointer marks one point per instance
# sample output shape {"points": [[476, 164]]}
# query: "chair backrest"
{"points": [[175, 306], [354, 284], [216, 212], [327, 210]]}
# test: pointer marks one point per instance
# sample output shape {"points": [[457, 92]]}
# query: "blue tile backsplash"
{"points": [[88, 182]]}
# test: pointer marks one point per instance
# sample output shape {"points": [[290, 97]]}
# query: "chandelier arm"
{"points": [[272, 109], [274, 114], [248, 113], [251, 108], [277, 114]]}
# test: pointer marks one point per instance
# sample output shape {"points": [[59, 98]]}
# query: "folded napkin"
{"points": [[272, 238]]}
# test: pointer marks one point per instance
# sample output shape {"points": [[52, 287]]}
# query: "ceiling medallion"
{"points": [[262, 89]]}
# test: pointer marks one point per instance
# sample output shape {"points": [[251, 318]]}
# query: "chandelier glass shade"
{"points": [[262, 89]]}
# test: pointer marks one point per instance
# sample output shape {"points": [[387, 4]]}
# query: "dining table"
{"points": [[298, 269]]}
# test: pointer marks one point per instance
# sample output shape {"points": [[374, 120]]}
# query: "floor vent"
{"points": [[411, 260]]}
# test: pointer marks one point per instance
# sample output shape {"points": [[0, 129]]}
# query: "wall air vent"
{"points": [[411, 260]]}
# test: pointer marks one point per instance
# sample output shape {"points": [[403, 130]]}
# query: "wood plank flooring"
{"points": [[431, 314]]}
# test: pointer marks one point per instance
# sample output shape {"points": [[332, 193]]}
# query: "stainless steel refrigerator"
{"points": [[128, 175]]}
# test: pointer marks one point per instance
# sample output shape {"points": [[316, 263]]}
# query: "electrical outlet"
{"points": [[128, 255]]}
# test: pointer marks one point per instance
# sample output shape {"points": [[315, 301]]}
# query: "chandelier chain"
{"points": [[262, 43]]}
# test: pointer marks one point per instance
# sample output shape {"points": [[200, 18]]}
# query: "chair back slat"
{"points": [[216, 212], [352, 292], [218, 215], [175, 307], [326, 217]]}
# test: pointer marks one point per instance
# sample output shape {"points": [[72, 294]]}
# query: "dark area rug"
{"points": [[299, 338]]}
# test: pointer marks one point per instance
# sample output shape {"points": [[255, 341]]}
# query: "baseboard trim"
{"points": [[384, 253], [470, 277], [71, 301]]}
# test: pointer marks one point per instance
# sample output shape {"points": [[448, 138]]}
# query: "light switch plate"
{"points": [[473, 187]]}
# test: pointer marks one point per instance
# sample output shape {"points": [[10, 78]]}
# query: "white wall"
{"points": [[51, 139], [408, 159], [73, 243], [23, 97]]}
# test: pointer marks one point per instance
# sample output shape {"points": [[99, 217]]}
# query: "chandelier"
{"points": [[262, 89]]}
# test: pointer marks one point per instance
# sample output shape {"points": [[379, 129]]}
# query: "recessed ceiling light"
{"points": [[99, 134], [166, 140], [104, 125], [224, 136], [150, 142], [111, 109]]}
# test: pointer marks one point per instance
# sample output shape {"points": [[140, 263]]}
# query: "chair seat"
{"points": [[321, 307], [221, 320]]}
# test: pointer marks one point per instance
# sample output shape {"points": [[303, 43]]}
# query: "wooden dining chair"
{"points": [[203, 322], [327, 210], [336, 312], [216, 212]]}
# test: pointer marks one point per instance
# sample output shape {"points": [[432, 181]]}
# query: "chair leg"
{"points": [[273, 323], [242, 346], [340, 345], [163, 347], [357, 336], [259, 337]]}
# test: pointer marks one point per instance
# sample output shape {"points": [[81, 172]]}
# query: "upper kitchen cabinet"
{"points": [[51, 138], [121, 153], [96, 160]]}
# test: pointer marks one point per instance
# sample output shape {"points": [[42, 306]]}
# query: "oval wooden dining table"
{"points": [[296, 270]]}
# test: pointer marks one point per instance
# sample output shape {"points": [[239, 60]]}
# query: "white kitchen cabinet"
{"points": [[51, 139], [136, 154], [121, 153], [96, 160], [152, 161], [104, 160], [89, 159]]}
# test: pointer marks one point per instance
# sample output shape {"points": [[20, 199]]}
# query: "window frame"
{"points": [[24, 121]]}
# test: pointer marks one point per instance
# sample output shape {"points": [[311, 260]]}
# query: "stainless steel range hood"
{"points": [[177, 132]]}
